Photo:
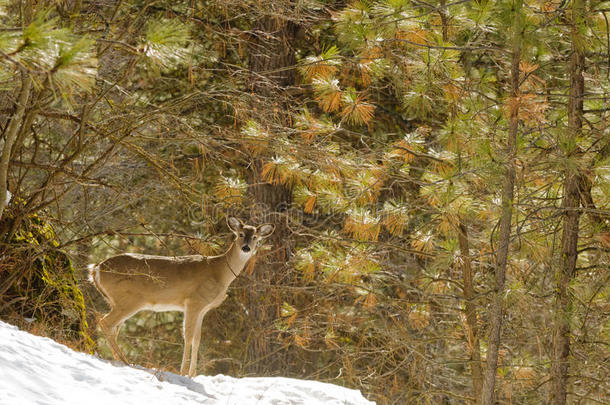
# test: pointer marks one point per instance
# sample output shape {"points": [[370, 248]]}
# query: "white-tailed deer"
{"points": [[192, 284]]}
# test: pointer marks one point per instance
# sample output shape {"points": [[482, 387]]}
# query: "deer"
{"points": [[192, 284]]}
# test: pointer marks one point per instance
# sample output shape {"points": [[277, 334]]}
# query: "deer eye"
{"points": [[241, 234], [254, 237]]}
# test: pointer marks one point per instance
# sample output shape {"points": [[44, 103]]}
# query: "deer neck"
{"points": [[235, 261]]}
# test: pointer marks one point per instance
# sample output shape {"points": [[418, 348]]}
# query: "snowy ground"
{"points": [[35, 370]]}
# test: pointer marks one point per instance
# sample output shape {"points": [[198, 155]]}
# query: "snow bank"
{"points": [[36, 370]]}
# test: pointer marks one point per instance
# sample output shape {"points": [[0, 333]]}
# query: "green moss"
{"points": [[46, 290]]}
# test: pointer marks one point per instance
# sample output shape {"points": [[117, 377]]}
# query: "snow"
{"points": [[36, 370]]}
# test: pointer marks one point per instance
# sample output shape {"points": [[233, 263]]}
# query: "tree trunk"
{"points": [[471, 313], [570, 207], [11, 135], [444, 14], [271, 63], [496, 312]]}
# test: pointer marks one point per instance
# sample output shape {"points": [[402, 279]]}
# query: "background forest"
{"points": [[438, 172]]}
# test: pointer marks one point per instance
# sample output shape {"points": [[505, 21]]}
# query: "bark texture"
{"points": [[571, 208], [496, 311], [11, 134], [271, 63], [471, 313]]}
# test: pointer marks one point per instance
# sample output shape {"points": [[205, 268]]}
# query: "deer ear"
{"points": [[266, 230], [234, 224]]}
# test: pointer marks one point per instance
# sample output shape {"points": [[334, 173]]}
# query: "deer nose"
{"points": [[245, 248]]}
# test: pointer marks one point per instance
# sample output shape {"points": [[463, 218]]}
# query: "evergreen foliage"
{"points": [[376, 134]]}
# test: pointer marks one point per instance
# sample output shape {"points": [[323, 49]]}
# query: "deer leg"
{"points": [[187, 345], [197, 334], [111, 324], [191, 316], [195, 346]]}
